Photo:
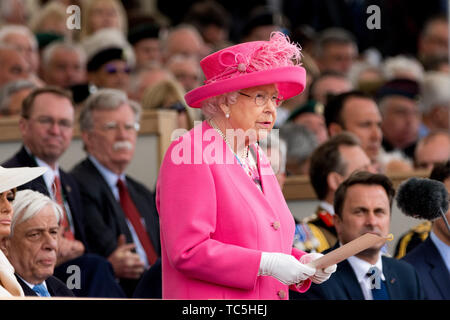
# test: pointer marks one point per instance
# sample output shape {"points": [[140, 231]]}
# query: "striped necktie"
{"points": [[41, 290]]}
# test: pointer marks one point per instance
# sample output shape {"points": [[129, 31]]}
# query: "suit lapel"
{"points": [[250, 191], [117, 209], [349, 281], [26, 289], [437, 268], [392, 277]]}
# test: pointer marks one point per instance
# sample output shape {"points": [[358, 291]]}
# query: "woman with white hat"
{"points": [[226, 230], [9, 180]]}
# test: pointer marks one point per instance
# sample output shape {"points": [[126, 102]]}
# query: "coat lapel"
{"points": [[117, 209], [392, 286], [437, 268], [349, 281]]}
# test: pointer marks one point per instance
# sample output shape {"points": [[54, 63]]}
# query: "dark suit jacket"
{"points": [[402, 283], [69, 186], [105, 219], [55, 287], [432, 271]]}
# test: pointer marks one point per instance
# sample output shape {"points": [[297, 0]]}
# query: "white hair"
{"points": [[10, 88], [211, 106], [106, 99], [29, 203], [107, 38], [402, 66], [435, 90], [18, 29], [47, 54]]}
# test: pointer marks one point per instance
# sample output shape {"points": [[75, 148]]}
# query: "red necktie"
{"points": [[67, 232], [135, 218]]}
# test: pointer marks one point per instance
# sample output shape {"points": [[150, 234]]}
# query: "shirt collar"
{"points": [[50, 174], [327, 206], [31, 285], [109, 176]]}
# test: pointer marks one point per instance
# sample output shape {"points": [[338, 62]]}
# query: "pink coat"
{"points": [[215, 223]]}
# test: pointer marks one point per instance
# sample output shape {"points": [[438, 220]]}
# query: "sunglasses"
{"points": [[112, 69]]}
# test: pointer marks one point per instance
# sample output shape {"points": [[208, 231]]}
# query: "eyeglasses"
{"points": [[112, 69], [113, 126], [49, 122], [262, 98]]}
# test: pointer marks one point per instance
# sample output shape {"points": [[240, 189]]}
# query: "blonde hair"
{"points": [[54, 10], [165, 93], [86, 11], [162, 94]]}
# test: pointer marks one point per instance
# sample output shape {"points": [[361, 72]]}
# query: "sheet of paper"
{"points": [[349, 249]]}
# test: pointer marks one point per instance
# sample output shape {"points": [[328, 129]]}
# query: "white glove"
{"points": [[321, 275], [284, 267]]}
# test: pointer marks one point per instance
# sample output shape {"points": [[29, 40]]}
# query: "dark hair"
{"points": [[335, 105], [28, 102], [365, 178], [441, 171], [327, 158]]}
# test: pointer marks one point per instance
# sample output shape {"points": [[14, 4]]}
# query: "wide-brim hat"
{"points": [[13, 177], [251, 64]]}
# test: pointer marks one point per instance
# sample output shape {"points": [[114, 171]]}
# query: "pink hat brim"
{"points": [[290, 82]]}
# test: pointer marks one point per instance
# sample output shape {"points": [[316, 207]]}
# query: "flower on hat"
{"points": [[251, 64], [277, 52]]}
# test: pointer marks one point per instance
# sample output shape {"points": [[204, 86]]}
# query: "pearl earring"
{"points": [[227, 115]]}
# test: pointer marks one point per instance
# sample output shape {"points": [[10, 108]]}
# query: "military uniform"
{"points": [[412, 238], [315, 233]]}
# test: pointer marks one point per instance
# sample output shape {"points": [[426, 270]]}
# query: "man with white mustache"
{"points": [[123, 223]]}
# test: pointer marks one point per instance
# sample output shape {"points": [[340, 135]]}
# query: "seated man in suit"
{"points": [[46, 125], [362, 204], [431, 150], [431, 258], [331, 163], [122, 221], [33, 244]]}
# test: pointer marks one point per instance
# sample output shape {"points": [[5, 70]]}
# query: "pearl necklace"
{"points": [[244, 154]]}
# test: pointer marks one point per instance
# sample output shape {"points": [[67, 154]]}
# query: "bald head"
{"points": [[184, 40], [432, 149]]}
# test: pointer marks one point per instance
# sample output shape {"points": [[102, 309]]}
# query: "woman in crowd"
{"points": [[9, 180], [226, 231]]}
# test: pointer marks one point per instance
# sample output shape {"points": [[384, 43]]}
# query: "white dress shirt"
{"points": [[111, 179], [361, 267]]}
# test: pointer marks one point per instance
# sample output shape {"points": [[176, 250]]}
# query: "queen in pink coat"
{"points": [[226, 230]]}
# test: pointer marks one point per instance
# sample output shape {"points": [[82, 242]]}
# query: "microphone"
{"points": [[423, 198]]}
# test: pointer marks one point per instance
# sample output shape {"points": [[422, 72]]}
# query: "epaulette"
{"points": [[415, 235], [423, 227]]}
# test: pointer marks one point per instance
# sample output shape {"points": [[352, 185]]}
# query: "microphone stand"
{"points": [[445, 219]]}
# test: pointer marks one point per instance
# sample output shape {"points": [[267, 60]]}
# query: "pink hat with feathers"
{"points": [[251, 64]]}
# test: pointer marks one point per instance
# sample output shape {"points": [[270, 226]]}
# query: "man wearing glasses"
{"points": [[122, 221], [46, 125]]}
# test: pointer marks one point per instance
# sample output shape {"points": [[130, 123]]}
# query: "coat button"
{"points": [[282, 294], [276, 225]]}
